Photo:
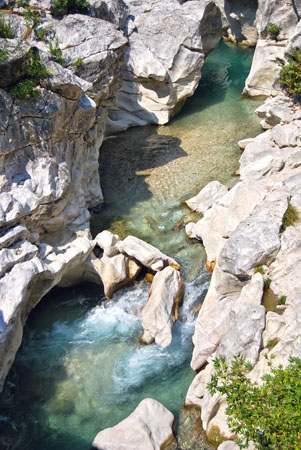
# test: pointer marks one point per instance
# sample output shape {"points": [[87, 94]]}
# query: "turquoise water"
{"points": [[81, 367]]}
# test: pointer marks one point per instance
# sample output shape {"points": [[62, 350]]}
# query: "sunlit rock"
{"points": [[148, 427], [161, 309]]}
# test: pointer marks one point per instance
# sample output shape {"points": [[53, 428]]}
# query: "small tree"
{"points": [[269, 414], [290, 75], [273, 30]]}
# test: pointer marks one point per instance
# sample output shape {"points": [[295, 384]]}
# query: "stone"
{"points": [[244, 336], [161, 309], [116, 272], [17, 254], [114, 11], [241, 17], [228, 445], [15, 66], [207, 196], [9, 237], [256, 240], [149, 427], [156, 85], [275, 110], [266, 66], [108, 242], [146, 254]]}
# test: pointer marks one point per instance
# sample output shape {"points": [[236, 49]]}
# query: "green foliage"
{"points": [[79, 62], [291, 216], [273, 30], [42, 32], [36, 70], [62, 7], [260, 269], [22, 3], [3, 56], [32, 18], [267, 283], [282, 300], [268, 413], [290, 74], [24, 90], [271, 344], [6, 31], [57, 53]]}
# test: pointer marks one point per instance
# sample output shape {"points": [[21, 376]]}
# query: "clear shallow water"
{"points": [[81, 367]]}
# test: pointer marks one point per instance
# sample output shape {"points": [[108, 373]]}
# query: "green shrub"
{"points": [[32, 18], [290, 74], [268, 413], [273, 30], [62, 7], [79, 62], [272, 343], [260, 269], [42, 32], [24, 90], [282, 300], [3, 56], [22, 3], [35, 67], [267, 283], [291, 216], [57, 53], [6, 31]]}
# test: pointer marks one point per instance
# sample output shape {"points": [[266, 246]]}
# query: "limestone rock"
{"points": [[147, 428], [116, 272], [108, 242], [241, 16], [146, 254], [20, 232], [207, 196], [160, 311], [228, 445], [156, 85], [15, 66], [114, 11]]}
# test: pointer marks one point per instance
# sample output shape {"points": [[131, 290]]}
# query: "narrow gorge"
{"points": [[136, 108]]}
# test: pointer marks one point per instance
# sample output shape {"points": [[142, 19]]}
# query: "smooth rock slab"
{"points": [[147, 428], [145, 253], [207, 196], [160, 311]]}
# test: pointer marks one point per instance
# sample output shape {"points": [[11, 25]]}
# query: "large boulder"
{"points": [[207, 196], [148, 255], [157, 84], [149, 427], [160, 311]]}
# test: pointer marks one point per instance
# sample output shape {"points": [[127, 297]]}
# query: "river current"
{"points": [[81, 367]]}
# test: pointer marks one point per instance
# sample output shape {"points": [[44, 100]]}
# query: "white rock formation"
{"points": [[207, 196], [163, 63], [160, 311], [149, 427]]}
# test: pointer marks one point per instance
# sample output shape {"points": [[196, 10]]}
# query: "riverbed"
{"points": [[81, 367]]}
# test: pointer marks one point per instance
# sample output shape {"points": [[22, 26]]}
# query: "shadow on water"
{"points": [[120, 162]]}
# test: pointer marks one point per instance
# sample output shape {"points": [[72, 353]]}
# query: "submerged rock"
{"points": [[149, 427], [161, 309]]}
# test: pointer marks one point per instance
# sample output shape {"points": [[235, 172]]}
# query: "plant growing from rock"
{"points": [[273, 30], [268, 414], [57, 53], [3, 56], [32, 18], [291, 216], [62, 7], [6, 31], [42, 32], [282, 300], [78, 63], [290, 74], [36, 70]]}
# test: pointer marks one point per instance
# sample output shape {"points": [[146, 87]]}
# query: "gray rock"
{"points": [[228, 445], [14, 255], [15, 67], [114, 11], [207, 196], [108, 242], [161, 309], [9, 237], [149, 427], [146, 254]]}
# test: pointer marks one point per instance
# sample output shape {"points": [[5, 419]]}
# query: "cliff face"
{"points": [[49, 162]]}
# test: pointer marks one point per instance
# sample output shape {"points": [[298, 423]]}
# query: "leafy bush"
{"points": [[57, 53], [62, 7], [273, 30], [78, 63], [32, 18], [42, 32], [290, 74], [24, 90], [269, 413], [267, 283], [291, 216], [6, 31], [282, 300], [22, 3], [35, 71]]}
